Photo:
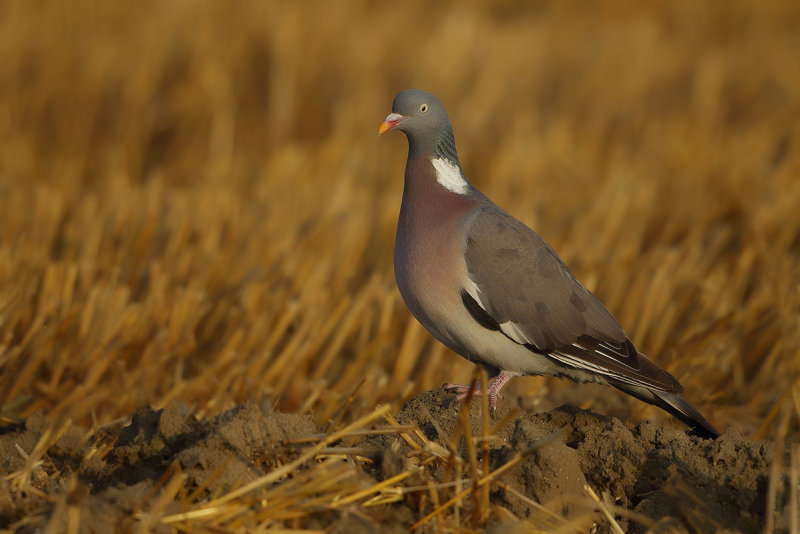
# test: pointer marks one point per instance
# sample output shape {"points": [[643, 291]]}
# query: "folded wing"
{"points": [[520, 286]]}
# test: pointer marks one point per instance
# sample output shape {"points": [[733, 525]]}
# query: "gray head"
{"points": [[422, 117]]}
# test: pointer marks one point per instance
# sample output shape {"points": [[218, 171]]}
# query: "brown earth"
{"points": [[651, 476]]}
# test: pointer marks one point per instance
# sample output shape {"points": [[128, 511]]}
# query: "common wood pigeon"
{"points": [[492, 290]]}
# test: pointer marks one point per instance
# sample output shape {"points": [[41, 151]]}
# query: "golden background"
{"points": [[196, 208]]}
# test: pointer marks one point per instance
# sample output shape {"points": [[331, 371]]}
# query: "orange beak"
{"points": [[390, 123]]}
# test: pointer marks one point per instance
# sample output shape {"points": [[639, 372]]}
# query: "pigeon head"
{"points": [[422, 117]]}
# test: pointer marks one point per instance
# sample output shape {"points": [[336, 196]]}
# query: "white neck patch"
{"points": [[450, 176]]}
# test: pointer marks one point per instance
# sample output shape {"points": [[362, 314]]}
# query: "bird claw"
{"points": [[462, 391], [493, 390]]}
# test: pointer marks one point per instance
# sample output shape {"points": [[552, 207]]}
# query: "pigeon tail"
{"points": [[675, 405]]}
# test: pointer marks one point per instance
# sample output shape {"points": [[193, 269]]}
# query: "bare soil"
{"points": [[653, 477]]}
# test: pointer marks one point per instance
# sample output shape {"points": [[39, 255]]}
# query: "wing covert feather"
{"points": [[520, 279], [523, 288]]}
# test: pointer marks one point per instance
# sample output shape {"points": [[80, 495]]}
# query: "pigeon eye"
{"points": [[423, 108]]}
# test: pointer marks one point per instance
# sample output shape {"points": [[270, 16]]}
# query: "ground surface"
{"points": [[651, 477], [196, 212]]}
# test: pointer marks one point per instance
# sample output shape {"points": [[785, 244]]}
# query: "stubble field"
{"points": [[197, 216]]}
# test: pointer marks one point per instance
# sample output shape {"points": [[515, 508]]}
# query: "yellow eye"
{"points": [[423, 108]]}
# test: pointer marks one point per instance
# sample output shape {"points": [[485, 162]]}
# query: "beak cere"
{"points": [[390, 123]]}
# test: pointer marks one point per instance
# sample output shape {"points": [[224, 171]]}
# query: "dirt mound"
{"points": [[670, 480], [650, 476], [217, 454]]}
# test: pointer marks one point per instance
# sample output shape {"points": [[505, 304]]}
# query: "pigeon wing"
{"points": [[519, 282]]}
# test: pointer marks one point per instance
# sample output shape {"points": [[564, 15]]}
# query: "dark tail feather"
{"points": [[675, 405]]}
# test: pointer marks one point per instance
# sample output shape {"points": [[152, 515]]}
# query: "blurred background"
{"points": [[196, 208]]}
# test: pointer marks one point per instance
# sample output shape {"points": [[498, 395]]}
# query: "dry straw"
{"points": [[195, 209]]}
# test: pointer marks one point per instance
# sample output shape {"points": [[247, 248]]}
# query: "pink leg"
{"points": [[493, 390]]}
